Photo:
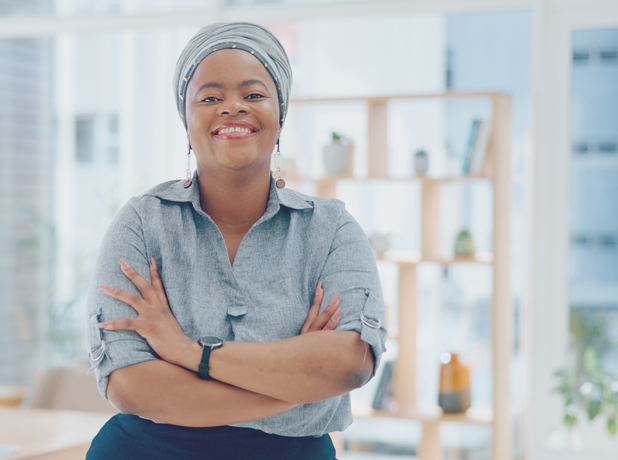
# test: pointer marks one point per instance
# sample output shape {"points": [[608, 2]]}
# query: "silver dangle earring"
{"points": [[279, 173], [188, 181]]}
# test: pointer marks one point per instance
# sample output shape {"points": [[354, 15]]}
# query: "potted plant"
{"points": [[589, 391], [593, 392], [421, 162], [339, 157], [464, 244]]}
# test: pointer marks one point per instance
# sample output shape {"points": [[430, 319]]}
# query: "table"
{"points": [[45, 434]]}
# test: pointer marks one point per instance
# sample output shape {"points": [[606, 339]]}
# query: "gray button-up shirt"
{"points": [[264, 296]]}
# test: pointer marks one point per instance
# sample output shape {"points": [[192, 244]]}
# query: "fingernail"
{"points": [[102, 325], [335, 300], [337, 313], [154, 263], [317, 289], [124, 264], [106, 288]]}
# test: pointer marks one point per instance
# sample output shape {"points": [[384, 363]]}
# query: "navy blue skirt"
{"points": [[133, 438]]}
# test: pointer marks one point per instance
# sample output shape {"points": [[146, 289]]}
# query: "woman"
{"points": [[206, 325]]}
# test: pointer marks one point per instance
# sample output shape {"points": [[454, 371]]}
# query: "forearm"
{"points": [[168, 393], [302, 369]]}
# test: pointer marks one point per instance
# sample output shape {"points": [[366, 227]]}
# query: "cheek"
{"points": [[199, 119], [273, 116]]}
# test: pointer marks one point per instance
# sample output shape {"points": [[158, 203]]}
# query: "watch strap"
{"points": [[203, 367]]}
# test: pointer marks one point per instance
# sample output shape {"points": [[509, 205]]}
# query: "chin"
{"points": [[242, 164], [239, 161]]}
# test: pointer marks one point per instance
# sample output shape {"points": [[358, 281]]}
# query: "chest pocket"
{"points": [[237, 311]]}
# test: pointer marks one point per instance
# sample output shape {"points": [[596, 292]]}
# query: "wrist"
{"points": [[192, 357]]}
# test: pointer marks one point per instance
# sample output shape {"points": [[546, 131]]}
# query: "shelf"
{"points": [[427, 414], [421, 179], [496, 172], [384, 99], [415, 258]]}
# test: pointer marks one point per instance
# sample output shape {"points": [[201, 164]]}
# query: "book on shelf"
{"points": [[476, 150], [479, 154], [383, 398], [470, 147]]}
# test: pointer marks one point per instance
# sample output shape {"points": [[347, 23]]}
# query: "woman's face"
{"points": [[232, 112]]}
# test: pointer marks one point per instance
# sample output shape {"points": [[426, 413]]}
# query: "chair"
{"points": [[70, 388]]}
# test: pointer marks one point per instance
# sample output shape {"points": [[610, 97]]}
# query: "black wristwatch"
{"points": [[209, 344]]}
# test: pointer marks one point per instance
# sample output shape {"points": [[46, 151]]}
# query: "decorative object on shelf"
{"points": [[476, 151], [380, 242], [454, 393], [279, 173], [339, 157], [12, 395], [464, 244], [383, 399], [421, 162]]}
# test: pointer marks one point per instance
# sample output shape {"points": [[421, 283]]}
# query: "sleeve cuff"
{"points": [[371, 328], [116, 354]]}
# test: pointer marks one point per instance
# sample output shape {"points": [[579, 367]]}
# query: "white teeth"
{"points": [[234, 129]]}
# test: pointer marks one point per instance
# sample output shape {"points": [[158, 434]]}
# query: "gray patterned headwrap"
{"points": [[245, 36]]}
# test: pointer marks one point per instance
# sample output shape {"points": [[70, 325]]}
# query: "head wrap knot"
{"points": [[245, 36]]}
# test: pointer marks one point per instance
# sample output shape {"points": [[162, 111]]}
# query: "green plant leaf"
{"points": [[594, 407], [570, 420], [591, 363], [611, 426]]}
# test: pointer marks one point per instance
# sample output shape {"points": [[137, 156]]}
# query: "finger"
{"points": [[130, 298], [119, 324], [323, 317], [333, 322], [140, 282], [157, 284], [315, 307]]}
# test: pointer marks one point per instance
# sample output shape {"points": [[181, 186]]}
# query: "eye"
{"points": [[209, 99], [259, 96]]}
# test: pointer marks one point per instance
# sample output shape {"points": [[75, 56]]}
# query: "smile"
{"points": [[235, 131]]}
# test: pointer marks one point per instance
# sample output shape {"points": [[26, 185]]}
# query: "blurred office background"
{"points": [[87, 120]]}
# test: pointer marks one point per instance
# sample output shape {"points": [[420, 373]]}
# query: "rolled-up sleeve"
{"points": [[110, 350], [351, 271]]}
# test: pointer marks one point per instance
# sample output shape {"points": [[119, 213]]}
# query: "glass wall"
{"points": [[26, 226], [591, 379]]}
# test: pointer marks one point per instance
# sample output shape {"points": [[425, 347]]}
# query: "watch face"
{"points": [[210, 341]]}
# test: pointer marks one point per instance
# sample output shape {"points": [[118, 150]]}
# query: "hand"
{"points": [[328, 319], [155, 321]]}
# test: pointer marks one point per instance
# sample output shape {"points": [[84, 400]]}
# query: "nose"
{"points": [[233, 106]]}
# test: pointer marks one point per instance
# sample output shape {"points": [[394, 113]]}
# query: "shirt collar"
{"points": [[175, 191]]}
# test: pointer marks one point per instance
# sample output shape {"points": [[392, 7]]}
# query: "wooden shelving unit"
{"points": [[405, 378]]}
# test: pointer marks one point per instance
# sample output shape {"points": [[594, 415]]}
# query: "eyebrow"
{"points": [[243, 84]]}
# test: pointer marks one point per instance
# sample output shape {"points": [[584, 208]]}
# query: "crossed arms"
{"points": [[252, 380]]}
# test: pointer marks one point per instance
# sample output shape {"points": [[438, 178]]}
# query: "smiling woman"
{"points": [[206, 320]]}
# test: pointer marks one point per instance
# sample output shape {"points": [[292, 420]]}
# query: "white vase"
{"points": [[338, 160]]}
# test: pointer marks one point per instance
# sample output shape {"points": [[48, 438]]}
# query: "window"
{"points": [[84, 139]]}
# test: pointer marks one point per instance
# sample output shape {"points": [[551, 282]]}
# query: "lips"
{"points": [[235, 130]]}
